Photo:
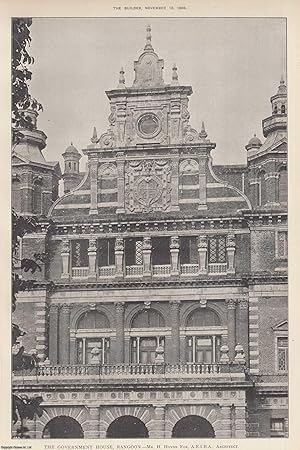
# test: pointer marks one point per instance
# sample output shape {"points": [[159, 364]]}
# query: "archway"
{"points": [[63, 427], [127, 427], [193, 426]]}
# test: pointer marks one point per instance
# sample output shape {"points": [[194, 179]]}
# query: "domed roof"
{"points": [[71, 149], [255, 141]]}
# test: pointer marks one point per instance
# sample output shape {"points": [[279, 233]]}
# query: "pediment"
{"points": [[281, 326]]}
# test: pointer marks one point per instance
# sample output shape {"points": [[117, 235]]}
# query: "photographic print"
{"points": [[149, 228]]}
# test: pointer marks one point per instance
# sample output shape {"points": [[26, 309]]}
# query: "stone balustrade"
{"points": [[128, 371], [80, 272], [161, 270], [107, 271], [189, 269], [217, 268], [134, 271]]}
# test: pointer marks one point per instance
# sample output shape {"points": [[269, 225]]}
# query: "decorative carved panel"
{"points": [[148, 185]]}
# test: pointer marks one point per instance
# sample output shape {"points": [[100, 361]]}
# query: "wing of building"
{"points": [[161, 310]]}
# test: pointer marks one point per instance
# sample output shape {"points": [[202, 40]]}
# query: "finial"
{"points": [[174, 75], [72, 143], [281, 79], [94, 138], [203, 134], [121, 79], [148, 45]]}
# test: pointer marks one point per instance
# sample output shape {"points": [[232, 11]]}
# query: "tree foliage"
{"points": [[21, 76]]}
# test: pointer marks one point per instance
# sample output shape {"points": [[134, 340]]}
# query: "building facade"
{"points": [[161, 310]]}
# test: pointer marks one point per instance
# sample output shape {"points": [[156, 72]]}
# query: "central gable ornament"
{"points": [[148, 186]]}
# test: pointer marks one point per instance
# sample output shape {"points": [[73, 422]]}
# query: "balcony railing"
{"points": [[107, 271], [134, 271], [189, 269], [118, 371], [217, 268], [80, 272], [161, 270]]}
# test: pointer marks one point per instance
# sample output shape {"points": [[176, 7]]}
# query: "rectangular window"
{"points": [[277, 428], [282, 354], [93, 350], [106, 252], [188, 250], [217, 249], [133, 252], [161, 251], [282, 244], [80, 256], [143, 349], [203, 349]]}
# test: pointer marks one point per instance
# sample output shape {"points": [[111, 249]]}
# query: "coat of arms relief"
{"points": [[148, 185]]}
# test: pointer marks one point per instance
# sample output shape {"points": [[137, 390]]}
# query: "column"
{"points": [[93, 431], [174, 250], [147, 246], [202, 252], [240, 422], [40, 326], [231, 306], [120, 182], [119, 307], [242, 332], [73, 358], [65, 257], [94, 185], [225, 431], [53, 334], [26, 192], [202, 184], [230, 248], [175, 321], [271, 183], [253, 182], [119, 256], [175, 182], [159, 423], [64, 335], [92, 254]]}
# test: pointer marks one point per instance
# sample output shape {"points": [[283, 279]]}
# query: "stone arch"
{"points": [[93, 317], [63, 427], [193, 427], [139, 308], [108, 170], [176, 413], [127, 427], [189, 165], [75, 316], [152, 315], [218, 310], [206, 317], [282, 184], [110, 414], [79, 413]]}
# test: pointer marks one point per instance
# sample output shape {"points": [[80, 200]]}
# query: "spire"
{"points": [[121, 84], [94, 138], [174, 75], [148, 45], [203, 134], [282, 86]]}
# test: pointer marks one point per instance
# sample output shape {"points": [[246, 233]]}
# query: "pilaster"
{"points": [[93, 431], [64, 335], [119, 308], [119, 257], [92, 253], [240, 422], [242, 332], [174, 250], [231, 307], [175, 306], [41, 310], [230, 248], [175, 183], [158, 430], [53, 334], [65, 257], [147, 246], [225, 429], [202, 252], [202, 184], [121, 182]]}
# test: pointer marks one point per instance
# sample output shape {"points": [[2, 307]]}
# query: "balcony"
{"points": [[217, 268], [161, 270], [107, 271], [134, 271], [80, 272], [189, 269], [162, 372]]}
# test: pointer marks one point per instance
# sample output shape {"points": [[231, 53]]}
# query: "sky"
{"points": [[234, 66]]}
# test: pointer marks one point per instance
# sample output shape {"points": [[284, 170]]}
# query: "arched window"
{"points": [[148, 318], [203, 317], [275, 109], [16, 194], [92, 320], [261, 188], [282, 109], [108, 183], [189, 180], [203, 339], [283, 185], [143, 346], [92, 340], [37, 197]]}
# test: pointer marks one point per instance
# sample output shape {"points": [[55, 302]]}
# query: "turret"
{"points": [[71, 174], [278, 120], [253, 146]]}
